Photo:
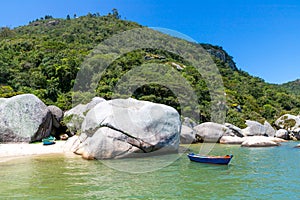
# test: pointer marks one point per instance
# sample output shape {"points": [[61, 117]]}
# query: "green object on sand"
{"points": [[49, 140]]}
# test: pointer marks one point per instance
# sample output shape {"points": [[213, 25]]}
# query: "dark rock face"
{"points": [[24, 118], [57, 115], [219, 53]]}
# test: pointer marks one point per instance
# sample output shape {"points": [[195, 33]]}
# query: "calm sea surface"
{"points": [[254, 173]]}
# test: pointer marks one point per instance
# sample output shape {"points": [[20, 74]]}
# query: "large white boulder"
{"points": [[255, 128], [211, 132], [128, 128], [24, 118]]}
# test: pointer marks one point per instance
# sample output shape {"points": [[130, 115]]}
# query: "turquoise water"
{"points": [[254, 173]]}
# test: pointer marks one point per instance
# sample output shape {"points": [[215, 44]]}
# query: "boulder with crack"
{"points": [[128, 128]]}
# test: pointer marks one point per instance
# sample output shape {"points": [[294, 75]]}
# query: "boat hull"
{"points": [[220, 160], [48, 142]]}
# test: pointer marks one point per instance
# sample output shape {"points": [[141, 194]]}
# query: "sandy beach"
{"points": [[14, 150]]}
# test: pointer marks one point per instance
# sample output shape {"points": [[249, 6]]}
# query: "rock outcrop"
{"points": [[128, 128], [211, 132], [232, 140], [282, 133], [270, 131], [288, 122], [189, 122], [24, 118], [255, 128], [74, 117], [57, 115], [260, 141], [236, 130], [187, 135], [59, 129]]}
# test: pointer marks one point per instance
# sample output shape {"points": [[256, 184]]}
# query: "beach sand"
{"points": [[14, 150]]}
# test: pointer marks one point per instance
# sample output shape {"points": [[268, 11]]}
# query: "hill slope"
{"points": [[44, 57], [293, 86]]}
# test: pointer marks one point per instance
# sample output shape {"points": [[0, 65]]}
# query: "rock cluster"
{"points": [[129, 128], [254, 135]]}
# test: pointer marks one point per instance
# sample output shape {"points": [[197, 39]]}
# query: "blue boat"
{"points": [[220, 160], [49, 140]]}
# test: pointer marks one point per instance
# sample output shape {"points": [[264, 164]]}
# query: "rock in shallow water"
{"points": [[261, 141], [232, 140]]}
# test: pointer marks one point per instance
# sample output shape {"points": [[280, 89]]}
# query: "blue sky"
{"points": [[262, 36]]}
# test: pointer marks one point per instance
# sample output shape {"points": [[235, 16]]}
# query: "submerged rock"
{"points": [[24, 118], [128, 128]]}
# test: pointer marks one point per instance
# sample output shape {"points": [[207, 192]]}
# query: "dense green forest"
{"points": [[293, 87], [45, 56]]}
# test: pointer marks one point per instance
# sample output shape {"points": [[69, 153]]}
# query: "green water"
{"points": [[254, 173]]}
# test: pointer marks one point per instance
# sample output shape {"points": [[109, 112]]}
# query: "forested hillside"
{"points": [[44, 57], [293, 86]]}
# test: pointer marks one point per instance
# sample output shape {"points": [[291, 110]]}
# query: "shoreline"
{"points": [[9, 151]]}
